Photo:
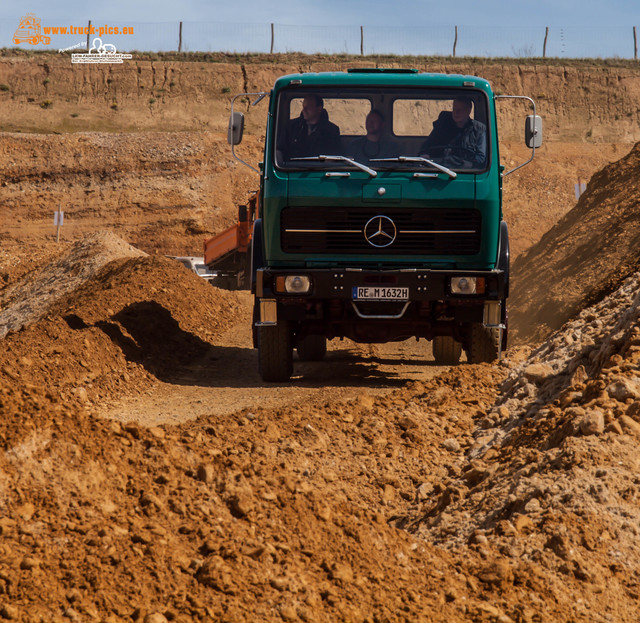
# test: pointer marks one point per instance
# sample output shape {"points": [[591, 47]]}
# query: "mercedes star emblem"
{"points": [[380, 231]]}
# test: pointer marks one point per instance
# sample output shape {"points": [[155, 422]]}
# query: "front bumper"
{"points": [[430, 309], [423, 284]]}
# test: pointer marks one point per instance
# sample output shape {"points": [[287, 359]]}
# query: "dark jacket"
{"points": [[362, 150], [297, 142], [467, 143]]}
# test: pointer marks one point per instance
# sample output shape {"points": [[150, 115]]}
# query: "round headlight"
{"points": [[297, 284], [463, 285]]}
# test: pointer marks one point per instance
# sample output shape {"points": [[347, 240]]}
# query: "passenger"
{"points": [[310, 134], [457, 139], [374, 144]]}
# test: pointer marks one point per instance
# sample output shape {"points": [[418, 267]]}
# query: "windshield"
{"points": [[382, 129]]}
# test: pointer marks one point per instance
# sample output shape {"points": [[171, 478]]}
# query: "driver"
{"points": [[456, 138], [311, 134]]}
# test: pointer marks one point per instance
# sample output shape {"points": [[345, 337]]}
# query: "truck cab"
{"points": [[380, 217]]}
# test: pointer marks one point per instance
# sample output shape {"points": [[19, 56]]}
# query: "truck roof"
{"points": [[382, 77]]}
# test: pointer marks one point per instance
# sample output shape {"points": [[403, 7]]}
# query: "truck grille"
{"points": [[391, 231]]}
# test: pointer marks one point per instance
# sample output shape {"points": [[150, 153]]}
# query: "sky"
{"points": [[557, 13], [577, 27]]}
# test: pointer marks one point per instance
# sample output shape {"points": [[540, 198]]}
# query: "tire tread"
{"points": [[275, 353], [446, 350], [484, 344]]}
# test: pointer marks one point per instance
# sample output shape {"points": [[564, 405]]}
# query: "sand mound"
{"points": [[28, 300], [213, 521], [109, 325], [490, 493], [583, 257], [549, 491]]}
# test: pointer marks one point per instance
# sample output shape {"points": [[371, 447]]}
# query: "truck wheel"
{"points": [[312, 348], [275, 352], [446, 350], [483, 344]]}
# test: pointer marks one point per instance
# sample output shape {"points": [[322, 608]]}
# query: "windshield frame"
{"points": [[388, 95]]}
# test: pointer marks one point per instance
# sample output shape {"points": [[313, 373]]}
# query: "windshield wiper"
{"points": [[449, 172], [355, 163]]}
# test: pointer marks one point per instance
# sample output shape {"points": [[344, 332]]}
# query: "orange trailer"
{"points": [[228, 254]]}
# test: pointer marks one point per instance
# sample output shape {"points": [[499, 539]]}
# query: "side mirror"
{"points": [[533, 131], [236, 128]]}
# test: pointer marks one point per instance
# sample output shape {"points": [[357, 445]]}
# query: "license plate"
{"points": [[374, 293]]}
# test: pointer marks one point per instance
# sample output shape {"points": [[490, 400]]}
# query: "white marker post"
{"points": [[579, 188], [58, 220]]}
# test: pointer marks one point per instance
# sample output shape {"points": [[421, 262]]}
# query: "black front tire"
{"points": [[275, 352], [484, 344], [312, 348], [446, 350]]}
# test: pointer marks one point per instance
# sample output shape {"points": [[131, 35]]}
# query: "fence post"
{"points": [[544, 45], [180, 38], [635, 44], [272, 37], [455, 43], [88, 35], [58, 219], [361, 40]]}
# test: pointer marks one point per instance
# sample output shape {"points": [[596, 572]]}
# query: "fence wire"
{"points": [[353, 40]]}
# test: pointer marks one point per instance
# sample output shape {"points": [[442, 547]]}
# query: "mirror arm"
{"points": [[259, 97], [533, 147]]}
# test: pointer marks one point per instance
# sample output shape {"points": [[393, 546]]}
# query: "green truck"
{"points": [[379, 215]]}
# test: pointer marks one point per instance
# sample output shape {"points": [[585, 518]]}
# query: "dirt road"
{"points": [[226, 379]]}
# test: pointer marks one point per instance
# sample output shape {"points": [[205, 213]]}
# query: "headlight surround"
{"points": [[293, 284], [467, 286]]}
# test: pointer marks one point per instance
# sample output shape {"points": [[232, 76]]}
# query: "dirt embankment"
{"points": [[48, 93], [163, 177], [162, 192], [584, 256]]}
